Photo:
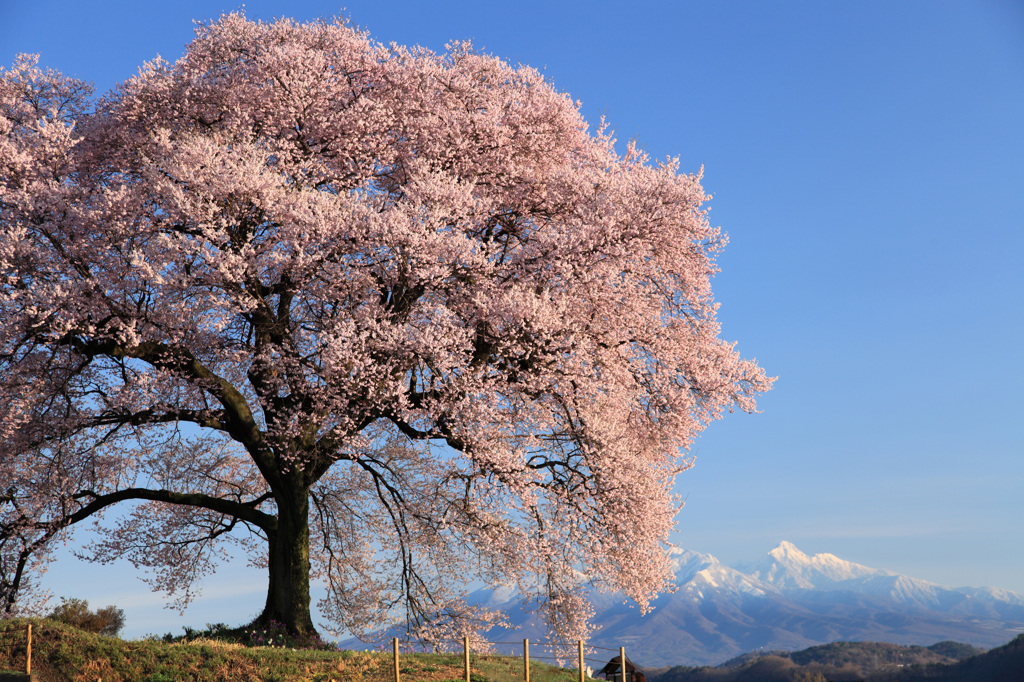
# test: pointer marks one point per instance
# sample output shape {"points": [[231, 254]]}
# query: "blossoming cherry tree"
{"points": [[386, 319]]}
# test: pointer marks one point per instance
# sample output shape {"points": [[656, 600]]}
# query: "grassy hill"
{"points": [[61, 653]]}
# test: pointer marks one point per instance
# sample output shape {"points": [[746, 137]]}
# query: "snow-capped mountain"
{"points": [[786, 567], [696, 573], [787, 600], [791, 571]]}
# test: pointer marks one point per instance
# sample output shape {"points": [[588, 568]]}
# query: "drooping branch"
{"points": [[245, 511], [23, 536], [236, 419]]}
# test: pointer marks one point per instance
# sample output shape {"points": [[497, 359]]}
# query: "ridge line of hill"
{"points": [[861, 662]]}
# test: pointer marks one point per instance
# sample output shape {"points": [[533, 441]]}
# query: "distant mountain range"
{"points": [[786, 601], [864, 661]]}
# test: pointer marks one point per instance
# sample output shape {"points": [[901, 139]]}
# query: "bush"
{"points": [[274, 634], [75, 612]]}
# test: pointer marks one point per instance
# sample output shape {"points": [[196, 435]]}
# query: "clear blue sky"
{"points": [[867, 160]]}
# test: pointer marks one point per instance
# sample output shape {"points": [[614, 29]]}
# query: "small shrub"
{"points": [[276, 635], [212, 631], [76, 613]]}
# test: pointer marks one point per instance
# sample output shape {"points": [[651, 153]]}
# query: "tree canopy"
{"points": [[386, 319]]}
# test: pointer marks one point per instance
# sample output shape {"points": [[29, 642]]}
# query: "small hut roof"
{"points": [[613, 666]]}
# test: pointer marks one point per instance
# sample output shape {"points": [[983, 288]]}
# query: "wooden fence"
{"points": [[583, 654], [13, 640]]}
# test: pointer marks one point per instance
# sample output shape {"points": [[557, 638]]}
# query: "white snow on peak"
{"points": [[503, 594], [697, 573], [788, 550], [786, 567], [685, 562]]}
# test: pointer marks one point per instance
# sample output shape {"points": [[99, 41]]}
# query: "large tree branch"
{"points": [[43, 531], [326, 451], [245, 511], [211, 419], [238, 420]]}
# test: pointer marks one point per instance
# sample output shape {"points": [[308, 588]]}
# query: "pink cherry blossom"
{"points": [[387, 319]]}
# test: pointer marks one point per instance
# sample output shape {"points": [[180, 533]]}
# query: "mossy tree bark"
{"points": [[288, 601]]}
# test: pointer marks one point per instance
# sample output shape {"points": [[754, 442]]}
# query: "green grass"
{"points": [[483, 668], [61, 653]]}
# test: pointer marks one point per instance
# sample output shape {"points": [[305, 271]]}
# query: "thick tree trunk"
{"points": [[288, 590]]}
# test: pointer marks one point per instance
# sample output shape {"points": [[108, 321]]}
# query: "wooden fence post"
{"points": [[583, 674], [397, 679], [622, 662], [465, 649], [526, 656], [28, 656]]}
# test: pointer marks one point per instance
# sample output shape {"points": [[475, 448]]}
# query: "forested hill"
{"points": [[1002, 664], [868, 655], [862, 661]]}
